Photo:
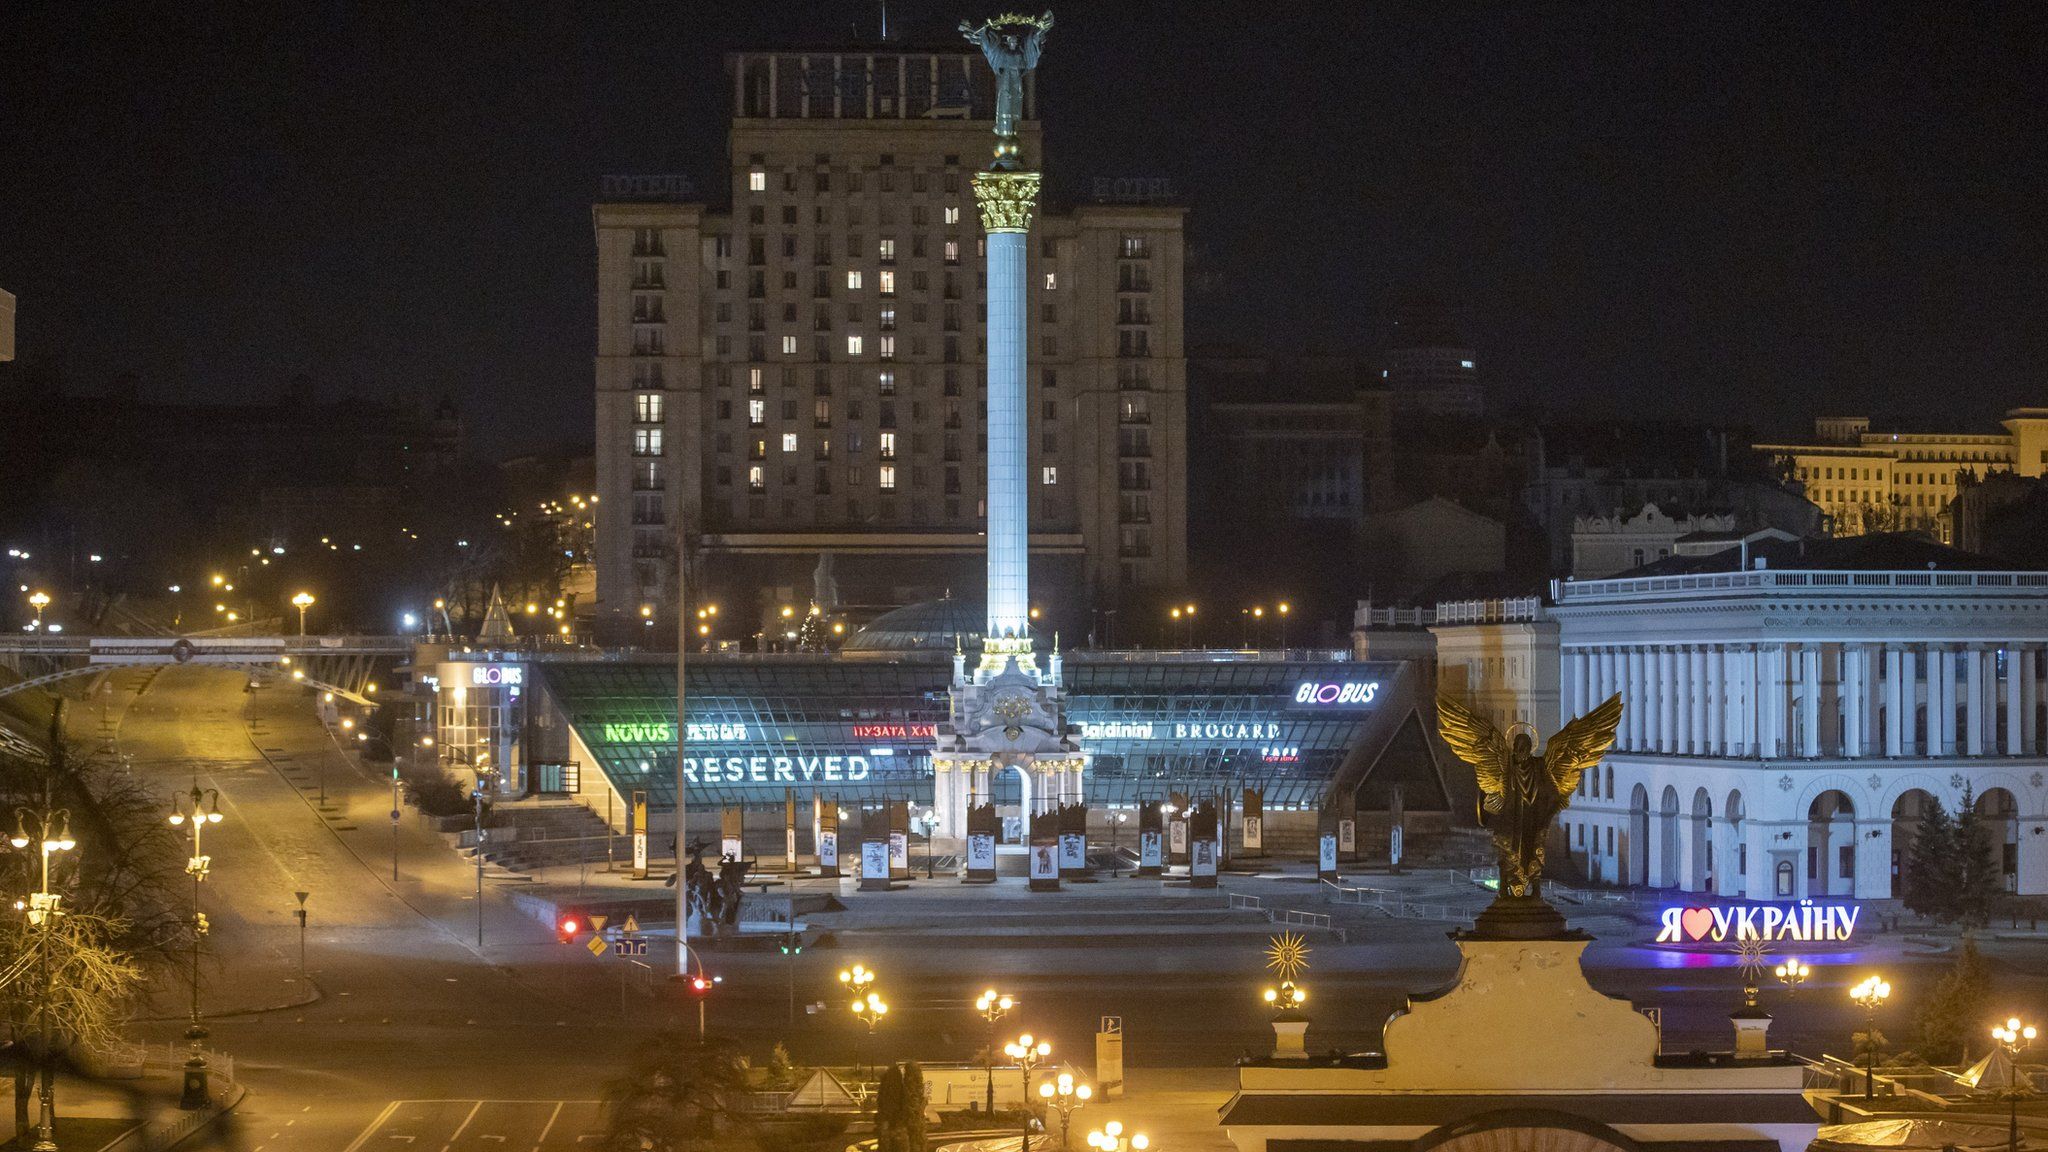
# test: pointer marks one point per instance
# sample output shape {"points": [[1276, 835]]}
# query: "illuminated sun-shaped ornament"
{"points": [[1287, 956]]}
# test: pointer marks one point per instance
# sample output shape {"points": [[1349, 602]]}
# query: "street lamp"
{"points": [[197, 808], [39, 601], [2014, 1037], [869, 1010], [1792, 973], [1116, 824], [1110, 1138], [1063, 1096], [302, 601], [1287, 997], [993, 1006], [1027, 1052], [43, 910], [1869, 996], [929, 821], [478, 796]]}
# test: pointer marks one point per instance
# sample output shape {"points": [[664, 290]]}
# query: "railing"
{"points": [[1367, 616], [1241, 902], [1515, 609], [1397, 906], [1770, 578], [1294, 919]]}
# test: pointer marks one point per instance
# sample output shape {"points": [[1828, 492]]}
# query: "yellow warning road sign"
{"points": [[632, 922], [597, 923], [596, 945]]}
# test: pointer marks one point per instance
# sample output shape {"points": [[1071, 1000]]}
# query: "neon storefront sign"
{"points": [[487, 675], [895, 731], [662, 732], [1732, 923], [1336, 693], [775, 769], [1180, 730]]}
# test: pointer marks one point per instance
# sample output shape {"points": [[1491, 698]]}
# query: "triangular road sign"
{"points": [[632, 922], [597, 922]]}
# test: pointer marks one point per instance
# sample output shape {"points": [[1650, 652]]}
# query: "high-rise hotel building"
{"points": [[799, 373]]}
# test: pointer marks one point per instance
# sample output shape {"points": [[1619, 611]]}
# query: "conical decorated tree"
{"points": [[1933, 866], [1980, 882]]}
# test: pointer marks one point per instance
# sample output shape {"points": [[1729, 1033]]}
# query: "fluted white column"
{"points": [[1717, 700], [1633, 713], [1873, 698], [1681, 699], [1909, 694], [2030, 691], [1894, 701], [1941, 705], [1777, 670], [2012, 700], [1851, 696], [1809, 700], [1667, 700], [1973, 700]]}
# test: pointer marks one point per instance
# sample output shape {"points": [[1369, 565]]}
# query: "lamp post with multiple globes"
{"points": [[1063, 1095], [1792, 973], [1028, 1052], [52, 834], [197, 808], [302, 601], [1870, 996], [868, 1005], [1112, 1138], [993, 1006], [2015, 1037]]}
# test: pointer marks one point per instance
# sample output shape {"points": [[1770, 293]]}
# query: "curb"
{"points": [[314, 997]]}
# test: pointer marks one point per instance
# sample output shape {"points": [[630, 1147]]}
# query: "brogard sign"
{"points": [[1729, 923]]}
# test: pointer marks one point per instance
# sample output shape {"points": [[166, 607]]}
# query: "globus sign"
{"points": [[1731, 923], [1336, 692]]}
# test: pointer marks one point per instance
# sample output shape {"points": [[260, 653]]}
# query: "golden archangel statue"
{"points": [[1520, 791]]}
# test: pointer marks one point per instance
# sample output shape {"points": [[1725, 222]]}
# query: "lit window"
{"points": [[888, 445], [789, 441], [757, 413], [886, 381], [1464, 363], [1052, 281], [753, 379], [888, 479], [757, 478], [757, 181], [952, 251], [789, 345], [852, 344], [1052, 474], [885, 282], [647, 408], [888, 348], [952, 215], [646, 441], [888, 249], [853, 279]]}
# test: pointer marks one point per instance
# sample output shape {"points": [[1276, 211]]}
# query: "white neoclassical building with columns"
{"points": [[1790, 706]]}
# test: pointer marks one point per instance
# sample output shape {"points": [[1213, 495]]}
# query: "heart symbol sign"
{"points": [[1697, 922]]}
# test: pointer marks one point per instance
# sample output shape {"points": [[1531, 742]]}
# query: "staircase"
{"points": [[523, 837]]}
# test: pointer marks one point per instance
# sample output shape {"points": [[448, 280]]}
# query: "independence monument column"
{"points": [[1006, 714]]}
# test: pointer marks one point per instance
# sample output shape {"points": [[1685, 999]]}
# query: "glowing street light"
{"points": [[1111, 1138], [302, 601], [2015, 1037], [53, 834], [993, 1006], [1063, 1096], [1792, 973], [39, 601], [1027, 1052], [197, 808], [1870, 996]]}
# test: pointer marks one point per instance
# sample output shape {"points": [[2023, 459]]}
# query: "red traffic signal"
{"points": [[700, 986], [567, 927]]}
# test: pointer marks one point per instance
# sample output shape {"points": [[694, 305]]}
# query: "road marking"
{"points": [[474, 1109], [374, 1125], [547, 1128], [499, 1139]]}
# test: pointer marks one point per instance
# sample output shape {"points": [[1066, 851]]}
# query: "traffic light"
{"points": [[792, 944], [700, 986], [567, 927]]}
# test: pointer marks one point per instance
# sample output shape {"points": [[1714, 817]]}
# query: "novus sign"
{"points": [[1730, 923]]}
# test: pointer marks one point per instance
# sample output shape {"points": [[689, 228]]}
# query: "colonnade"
{"points": [[1850, 699]]}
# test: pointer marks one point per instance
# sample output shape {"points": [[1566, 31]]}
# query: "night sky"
{"points": [[1733, 212]]}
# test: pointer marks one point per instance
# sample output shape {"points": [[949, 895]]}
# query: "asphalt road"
{"points": [[404, 1006]]}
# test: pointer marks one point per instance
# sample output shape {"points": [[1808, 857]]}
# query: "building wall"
{"points": [[1604, 545], [1779, 718], [1883, 481], [823, 344]]}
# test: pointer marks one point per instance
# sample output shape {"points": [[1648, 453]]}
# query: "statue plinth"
{"points": [[1520, 918]]}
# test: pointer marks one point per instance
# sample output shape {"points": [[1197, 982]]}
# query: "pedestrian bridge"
{"points": [[343, 665]]}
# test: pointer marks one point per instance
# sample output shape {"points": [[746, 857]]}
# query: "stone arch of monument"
{"points": [[1526, 1130]]}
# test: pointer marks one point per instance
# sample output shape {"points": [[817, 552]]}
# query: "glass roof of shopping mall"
{"points": [[862, 729]]}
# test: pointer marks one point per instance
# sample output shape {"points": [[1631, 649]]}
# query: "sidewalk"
{"points": [[138, 1115]]}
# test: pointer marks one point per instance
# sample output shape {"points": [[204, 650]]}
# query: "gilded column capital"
{"points": [[1006, 199]]}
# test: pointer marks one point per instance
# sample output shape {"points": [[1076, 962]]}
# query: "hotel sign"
{"points": [[1731, 923]]}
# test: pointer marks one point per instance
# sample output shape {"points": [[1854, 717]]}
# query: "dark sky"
{"points": [[1726, 211]]}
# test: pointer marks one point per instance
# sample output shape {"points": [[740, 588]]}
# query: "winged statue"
{"points": [[1520, 792]]}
